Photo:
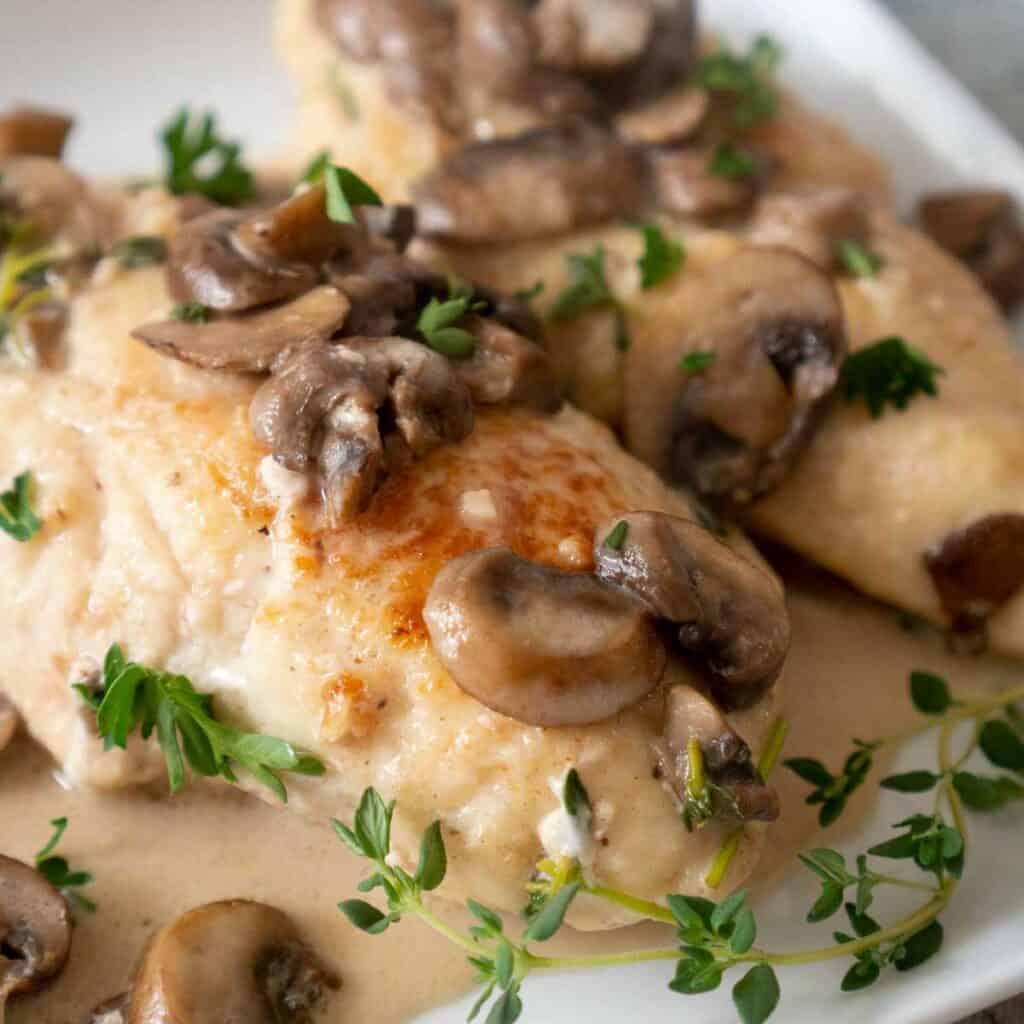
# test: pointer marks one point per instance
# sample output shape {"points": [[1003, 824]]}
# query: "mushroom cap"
{"points": [[670, 118], [774, 325], [35, 925], [33, 131], [730, 612], [232, 962], [685, 185], [252, 342], [53, 199], [542, 646]]}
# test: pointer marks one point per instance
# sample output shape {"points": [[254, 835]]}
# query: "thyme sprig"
{"points": [[58, 872], [715, 938]]}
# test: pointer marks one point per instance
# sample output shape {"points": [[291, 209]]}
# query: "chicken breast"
{"points": [[169, 530]]}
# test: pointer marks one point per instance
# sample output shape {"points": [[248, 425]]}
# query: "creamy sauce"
{"points": [[153, 858]]}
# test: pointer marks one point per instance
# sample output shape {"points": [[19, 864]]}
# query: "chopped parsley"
{"points": [[731, 162], [890, 372], [527, 295], [57, 871], [438, 322], [747, 78], [589, 291], [346, 190], [198, 161], [315, 169], [857, 259], [17, 519], [617, 537], [662, 257], [191, 312], [134, 697], [696, 362], [140, 251]]}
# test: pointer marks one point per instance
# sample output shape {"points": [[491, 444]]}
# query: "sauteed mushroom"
{"points": [[8, 721], [670, 118], [35, 930], [730, 612], [230, 961], [545, 647], [543, 182], [55, 201], [321, 410], [774, 327], [685, 184], [250, 343], [738, 789], [111, 1011], [33, 131], [982, 229], [977, 569]]}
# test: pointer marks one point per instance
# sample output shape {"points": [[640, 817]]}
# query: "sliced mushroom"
{"points": [[206, 265], [774, 327], [539, 645], [230, 961], [8, 721], [671, 118], [396, 222], [730, 612], [812, 222], [737, 790], [322, 409], [35, 930], [507, 368], [252, 342], [976, 570], [544, 182], [33, 131], [685, 184], [982, 229]]}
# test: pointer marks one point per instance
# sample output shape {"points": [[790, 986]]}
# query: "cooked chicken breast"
{"points": [[168, 529]]}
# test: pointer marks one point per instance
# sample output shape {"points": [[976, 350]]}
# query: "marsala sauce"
{"points": [[154, 858]]}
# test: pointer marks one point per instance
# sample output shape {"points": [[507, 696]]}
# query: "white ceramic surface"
{"points": [[124, 65]]}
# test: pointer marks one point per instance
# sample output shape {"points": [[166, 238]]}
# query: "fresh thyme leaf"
{"points": [[617, 537], [747, 79], [136, 697], [490, 919], [757, 994], [1002, 745], [726, 911], [696, 362], [315, 169], [810, 770], [140, 251], [830, 900], [17, 518], [574, 793], [589, 291], [365, 916], [744, 932], [193, 147], [889, 372], [662, 257], [930, 693], [832, 792], [920, 947], [433, 865], [696, 975], [692, 913], [861, 975], [437, 324], [479, 1004], [857, 259], [507, 1008], [373, 825], [191, 312], [731, 162], [987, 793], [911, 782], [547, 922], [57, 871], [345, 191]]}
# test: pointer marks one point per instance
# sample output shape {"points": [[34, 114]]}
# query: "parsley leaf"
{"points": [[731, 162], [192, 147], [857, 260], [346, 190], [437, 323], [889, 372], [134, 697], [696, 362], [745, 78], [662, 257], [617, 537], [57, 871], [191, 312], [16, 515], [316, 168], [140, 251], [589, 291]]}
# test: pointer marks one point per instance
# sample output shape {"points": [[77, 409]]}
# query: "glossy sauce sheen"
{"points": [[154, 858]]}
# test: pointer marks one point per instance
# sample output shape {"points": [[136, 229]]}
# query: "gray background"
{"points": [[981, 41]]}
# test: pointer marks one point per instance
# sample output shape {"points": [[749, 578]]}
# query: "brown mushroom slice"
{"points": [[730, 612], [33, 131], [205, 265], [43, 193], [543, 182], [981, 228], [9, 720], [35, 930], [111, 1011], [737, 790], [507, 368], [321, 410], [539, 645], [395, 222], [773, 324], [251, 342], [670, 118], [812, 222], [976, 570], [684, 183], [230, 961]]}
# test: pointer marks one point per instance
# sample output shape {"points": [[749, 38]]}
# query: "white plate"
{"points": [[124, 66]]}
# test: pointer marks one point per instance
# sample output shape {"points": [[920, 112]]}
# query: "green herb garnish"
{"points": [[136, 697], [662, 257], [17, 518], [140, 251], [315, 169], [889, 372], [617, 537], [745, 78], [57, 871], [200, 162], [697, 362], [856, 259], [589, 291], [191, 312], [345, 191], [437, 324], [730, 162]]}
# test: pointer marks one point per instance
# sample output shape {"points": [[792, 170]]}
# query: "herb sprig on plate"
{"points": [[889, 372], [197, 160], [17, 517], [59, 873], [715, 938], [135, 697], [589, 291]]}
